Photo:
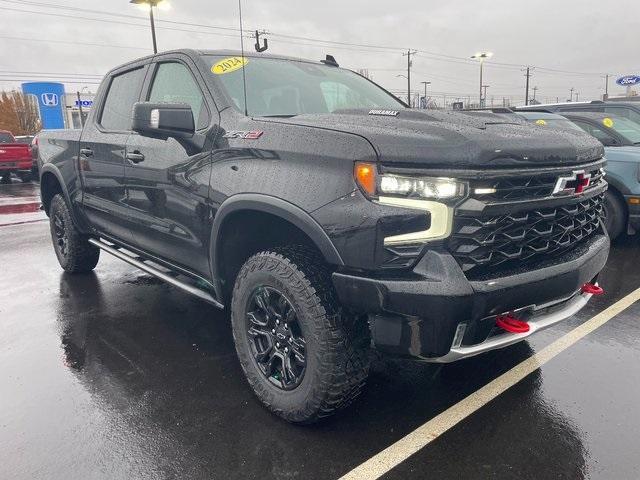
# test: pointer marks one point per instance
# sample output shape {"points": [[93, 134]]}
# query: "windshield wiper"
{"points": [[279, 116]]}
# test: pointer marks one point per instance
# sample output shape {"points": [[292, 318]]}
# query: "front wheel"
{"points": [[75, 253], [615, 215], [302, 356]]}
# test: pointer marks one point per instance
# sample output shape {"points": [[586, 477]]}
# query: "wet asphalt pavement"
{"points": [[116, 375]]}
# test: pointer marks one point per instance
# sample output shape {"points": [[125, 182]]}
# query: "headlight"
{"points": [[420, 187], [432, 188], [434, 195]]}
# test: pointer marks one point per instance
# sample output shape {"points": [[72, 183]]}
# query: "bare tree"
{"points": [[19, 113]]}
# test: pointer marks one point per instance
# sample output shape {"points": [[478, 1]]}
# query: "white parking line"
{"points": [[398, 452]]}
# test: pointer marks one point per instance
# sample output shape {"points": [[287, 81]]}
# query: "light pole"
{"points": [[481, 56], [571, 94], [484, 88], [151, 4], [425, 92]]}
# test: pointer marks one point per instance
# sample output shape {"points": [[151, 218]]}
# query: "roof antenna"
{"points": [[244, 78], [265, 43], [330, 60]]}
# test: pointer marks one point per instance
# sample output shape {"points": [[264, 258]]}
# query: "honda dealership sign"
{"points": [[50, 96]]}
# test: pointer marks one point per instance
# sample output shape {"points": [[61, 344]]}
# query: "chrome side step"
{"points": [[139, 263]]}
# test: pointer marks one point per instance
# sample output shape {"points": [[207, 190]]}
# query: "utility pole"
{"points": [[408, 55], [425, 92], [571, 94], [526, 88], [577, 94], [484, 89], [606, 87], [535, 89]]}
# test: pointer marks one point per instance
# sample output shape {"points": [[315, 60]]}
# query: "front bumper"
{"points": [[419, 314]]}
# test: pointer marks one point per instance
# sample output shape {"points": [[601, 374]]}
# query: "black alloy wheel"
{"points": [[302, 354], [275, 338], [60, 234], [73, 250]]}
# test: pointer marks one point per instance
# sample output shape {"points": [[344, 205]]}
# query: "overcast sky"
{"points": [[588, 37]]}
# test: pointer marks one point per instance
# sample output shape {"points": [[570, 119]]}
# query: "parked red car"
{"points": [[14, 158]]}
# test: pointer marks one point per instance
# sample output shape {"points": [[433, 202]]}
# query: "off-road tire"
{"points": [[337, 344], [615, 214], [78, 255]]}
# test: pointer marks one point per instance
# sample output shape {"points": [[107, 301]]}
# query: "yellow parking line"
{"points": [[398, 452]]}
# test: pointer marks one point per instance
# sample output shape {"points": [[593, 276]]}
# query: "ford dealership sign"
{"points": [[628, 80]]}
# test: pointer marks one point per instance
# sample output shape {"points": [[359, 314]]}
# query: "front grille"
{"points": [[531, 186], [492, 242]]}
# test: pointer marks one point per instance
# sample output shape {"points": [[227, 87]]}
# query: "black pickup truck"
{"points": [[326, 216]]}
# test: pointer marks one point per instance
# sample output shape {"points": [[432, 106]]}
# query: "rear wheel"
{"points": [[302, 356], [615, 214], [75, 253]]}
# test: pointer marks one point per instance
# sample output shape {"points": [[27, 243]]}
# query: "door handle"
{"points": [[86, 152], [135, 156]]}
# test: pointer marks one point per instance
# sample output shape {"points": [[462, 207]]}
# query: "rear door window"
{"points": [[124, 91]]}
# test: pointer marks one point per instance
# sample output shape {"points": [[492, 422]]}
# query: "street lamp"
{"points": [[425, 92], [162, 4], [481, 56]]}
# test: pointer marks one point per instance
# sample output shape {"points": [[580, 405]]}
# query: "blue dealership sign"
{"points": [[50, 97], [628, 80]]}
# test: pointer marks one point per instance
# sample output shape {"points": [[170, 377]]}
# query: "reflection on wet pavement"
{"points": [[18, 199]]}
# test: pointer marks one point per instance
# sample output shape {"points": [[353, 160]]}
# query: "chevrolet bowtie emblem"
{"points": [[576, 183]]}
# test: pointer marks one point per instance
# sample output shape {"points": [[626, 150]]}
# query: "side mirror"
{"points": [[163, 119]]}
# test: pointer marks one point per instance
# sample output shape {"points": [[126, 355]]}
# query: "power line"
{"points": [[8, 37], [114, 14], [435, 56], [113, 21], [73, 75]]}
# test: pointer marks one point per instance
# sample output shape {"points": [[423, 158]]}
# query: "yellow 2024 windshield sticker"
{"points": [[230, 64], [541, 122], [607, 122]]}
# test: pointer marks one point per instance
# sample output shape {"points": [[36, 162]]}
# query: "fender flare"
{"points": [[277, 207], [617, 184], [50, 168], [55, 171]]}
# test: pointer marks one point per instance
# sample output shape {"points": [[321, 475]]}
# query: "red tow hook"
{"points": [[592, 289], [511, 324]]}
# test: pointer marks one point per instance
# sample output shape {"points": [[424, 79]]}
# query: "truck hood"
{"points": [[451, 139]]}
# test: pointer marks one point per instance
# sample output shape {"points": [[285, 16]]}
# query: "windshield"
{"points": [[625, 127], [5, 138], [560, 123], [285, 88]]}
